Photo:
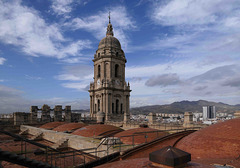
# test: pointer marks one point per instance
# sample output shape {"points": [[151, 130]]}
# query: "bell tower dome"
{"points": [[109, 92]]}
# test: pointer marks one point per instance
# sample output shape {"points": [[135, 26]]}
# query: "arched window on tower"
{"points": [[98, 54], [116, 70], [121, 108], [117, 105], [116, 54], [98, 105], [112, 108], [99, 71]]}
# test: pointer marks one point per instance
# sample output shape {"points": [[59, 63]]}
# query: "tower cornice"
{"points": [[112, 57]]}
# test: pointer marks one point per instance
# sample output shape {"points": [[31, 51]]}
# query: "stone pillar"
{"points": [[20, 118], [107, 107], [33, 114], [58, 113], [46, 113], [110, 104], [126, 117], [101, 103], [151, 118], [68, 113], [91, 107], [127, 104], [104, 63], [188, 119], [237, 114], [100, 117], [104, 102]]}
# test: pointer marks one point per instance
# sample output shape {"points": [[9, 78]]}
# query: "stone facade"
{"points": [[109, 93]]}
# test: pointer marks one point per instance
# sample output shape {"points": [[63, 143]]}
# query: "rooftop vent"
{"points": [[169, 156], [143, 126]]}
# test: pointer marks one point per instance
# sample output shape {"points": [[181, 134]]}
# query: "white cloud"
{"points": [[97, 24], [74, 48], [33, 77], [163, 80], [2, 60], [82, 75], [12, 100], [24, 27], [203, 31], [65, 7], [184, 68], [216, 82], [61, 7], [81, 86], [213, 86], [76, 73], [192, 12], [72, 60]]}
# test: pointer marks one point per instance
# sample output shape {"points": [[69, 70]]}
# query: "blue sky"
{"points": [[176, 50]]}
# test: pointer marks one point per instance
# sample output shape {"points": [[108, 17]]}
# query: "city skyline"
{"points": [[175, 50]]}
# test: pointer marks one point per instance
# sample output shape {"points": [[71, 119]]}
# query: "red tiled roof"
{"points": [[143, 163], [221, 140], [96, 130], [139, 138], [69, 127], [5, 137], [51, 125]]}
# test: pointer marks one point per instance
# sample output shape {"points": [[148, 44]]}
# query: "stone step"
{"points": [[63, 143], [38, 136], [23, 132]]}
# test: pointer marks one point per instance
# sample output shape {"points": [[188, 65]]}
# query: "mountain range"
{"points": [[184, 106], [179, 107]]}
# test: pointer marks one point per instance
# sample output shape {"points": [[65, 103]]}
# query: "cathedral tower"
{"points": [[109, 93]]}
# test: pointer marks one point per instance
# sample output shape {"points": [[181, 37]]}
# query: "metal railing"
{"points": [[75, 158]]}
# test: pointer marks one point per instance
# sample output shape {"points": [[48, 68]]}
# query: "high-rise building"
{"points": [[209, 112], [109, 93]]}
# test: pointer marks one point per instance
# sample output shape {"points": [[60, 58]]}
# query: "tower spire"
{"points": [[109, 17], [109, 28]]}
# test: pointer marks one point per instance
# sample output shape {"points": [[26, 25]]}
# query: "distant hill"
{"points": [[183, 106]]}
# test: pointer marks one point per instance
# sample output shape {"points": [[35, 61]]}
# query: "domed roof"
{"points": [[69, 127], [109, 41], [139, 138], [143, 163], [221, 140], [96, 130]]}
